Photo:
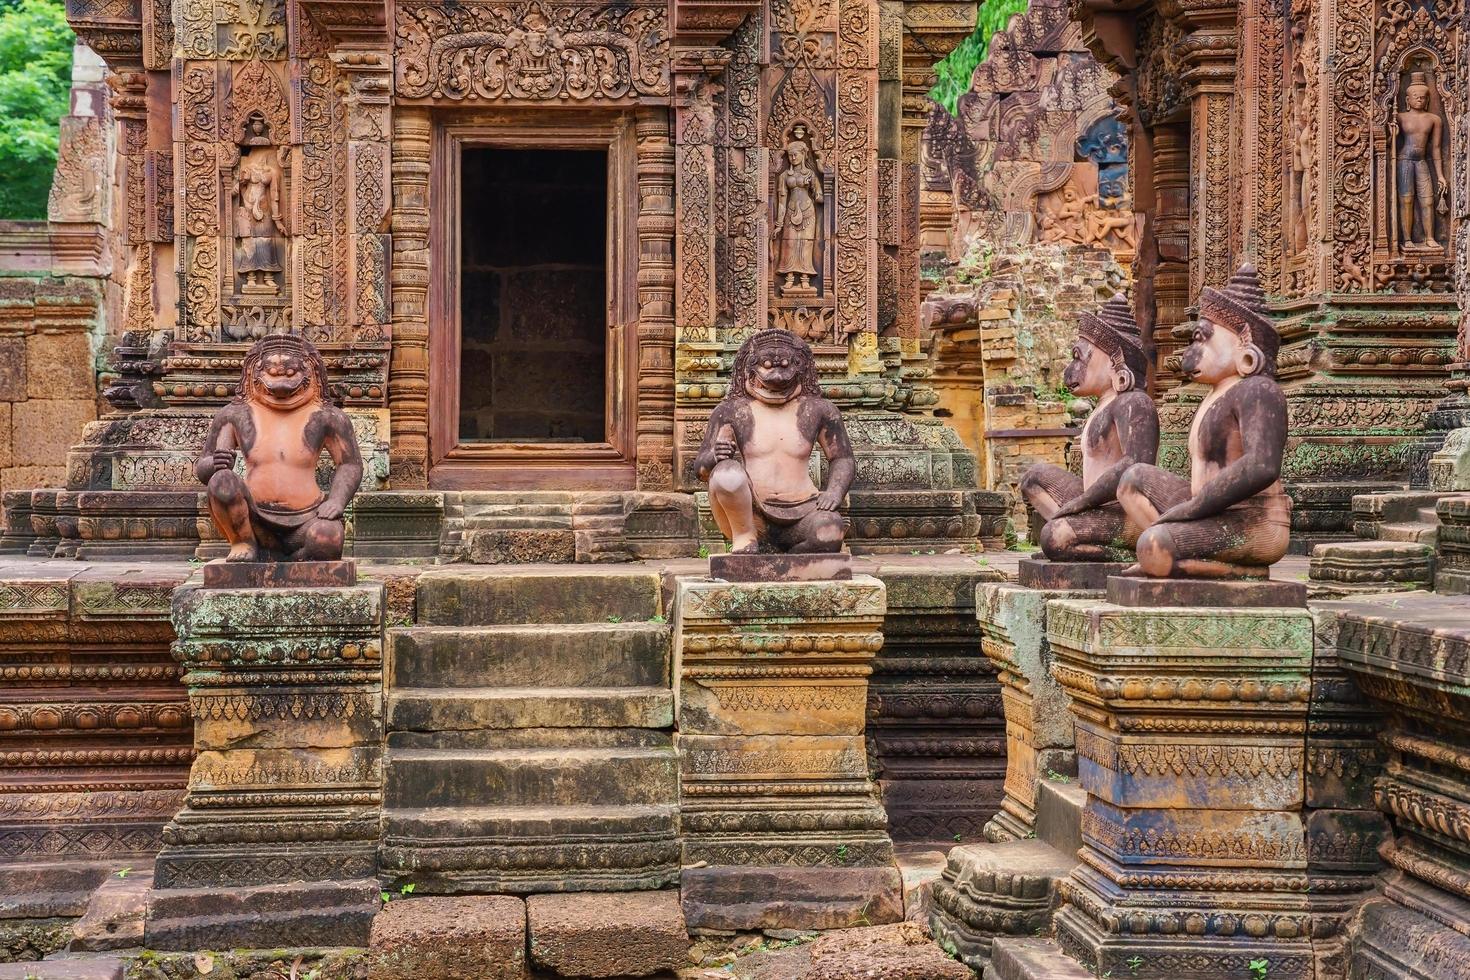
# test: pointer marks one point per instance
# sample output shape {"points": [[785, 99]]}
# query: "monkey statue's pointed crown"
{"points": [[1240, 307], [1113, 331]]}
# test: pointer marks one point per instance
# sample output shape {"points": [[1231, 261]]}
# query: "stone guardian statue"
{"points": [[758, 446], [1231, 519], [281, 419], [1084, 521]]}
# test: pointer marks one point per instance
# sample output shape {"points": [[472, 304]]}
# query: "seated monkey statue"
{"points": [[281, 419], [1084, 521], [1231, 519], [758, 448]]}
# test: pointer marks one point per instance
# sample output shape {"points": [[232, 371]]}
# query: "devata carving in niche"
{"points": [[258, 219], [798, 204], [758, 446], [1084, 521], [1422, 190], [1231, 519], [281, 419]]}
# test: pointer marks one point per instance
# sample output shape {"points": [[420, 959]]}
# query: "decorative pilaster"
{"points": [[781, 824], [656, 161], [277, 841], [1190, 728], [408, 386]]}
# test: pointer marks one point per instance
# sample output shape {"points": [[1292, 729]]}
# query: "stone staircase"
{"points": [[1395, 551], [529, 744]]}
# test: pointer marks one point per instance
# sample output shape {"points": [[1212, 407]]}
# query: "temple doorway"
{"points": [[531, 329], [533, 296]]}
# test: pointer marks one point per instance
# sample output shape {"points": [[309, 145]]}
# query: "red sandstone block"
{"points": [[610, 934], [481, 936]]}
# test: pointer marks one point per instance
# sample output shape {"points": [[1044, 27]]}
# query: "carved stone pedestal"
{"points": [[1038, 722], [1411, 660], [782, 827], [1191, 728], [276, 842]]}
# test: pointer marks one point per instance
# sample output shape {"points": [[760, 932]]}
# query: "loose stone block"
{"points": [[630, 934], [995, 889], [781, 825], [1039, 727], [449, 939], [1191, 745], [286, 688]]}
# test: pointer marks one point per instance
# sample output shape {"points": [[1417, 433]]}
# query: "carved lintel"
{"points": [[707, 23], [351, 23]]}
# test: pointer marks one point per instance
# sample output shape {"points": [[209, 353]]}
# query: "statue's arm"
{"points": [[1136, 425], [1434, 145], [841, 467], [706, 460], [219, 446], [1262, 418], [341, 443]]}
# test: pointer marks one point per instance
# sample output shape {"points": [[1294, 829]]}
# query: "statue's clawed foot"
{"points": [[243, 551]]}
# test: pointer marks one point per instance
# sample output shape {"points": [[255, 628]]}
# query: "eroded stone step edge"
{"points": [[556, 824], [523, 777], [444, 708], [491, 596], [518, 739], [626, 654]]}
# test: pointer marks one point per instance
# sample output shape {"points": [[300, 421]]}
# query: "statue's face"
{"points": [[1091, 373], [283, 381], [775, 371], [1210, 356], [1418, 99]]}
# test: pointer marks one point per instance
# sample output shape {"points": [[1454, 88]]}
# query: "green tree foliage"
{"points": [[955, 70], [35, 81]]}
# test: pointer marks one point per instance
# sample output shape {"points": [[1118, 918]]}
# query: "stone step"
{"points": [[630, 654], [517, 522], [1428, 515], [1409, 531], [1059, 815], [1033, 959], [491, 596], [532, 738], [473, 708], [99, 968], [472, 824], [530, 777], [993, 890]]}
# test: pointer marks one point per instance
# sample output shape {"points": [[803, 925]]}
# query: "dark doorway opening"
{"points": [[533, 296]]}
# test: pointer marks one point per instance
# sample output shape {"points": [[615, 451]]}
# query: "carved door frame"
{"points": [[531, 466]]}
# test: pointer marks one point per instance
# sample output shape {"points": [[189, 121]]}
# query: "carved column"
{"points": [[408, 387], [656, 224]]}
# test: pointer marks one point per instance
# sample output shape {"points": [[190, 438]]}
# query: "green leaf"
{"points": [[35, 85], [955, 69]]}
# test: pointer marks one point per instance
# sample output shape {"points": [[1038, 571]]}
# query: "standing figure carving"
{"points": [[1421, 185], [757, 452], [1231, 519], [281, 419], [258, 222], [798, 203], [1084, 521]]}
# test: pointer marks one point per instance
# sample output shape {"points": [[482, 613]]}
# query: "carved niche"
{"points": [[533, 51]]}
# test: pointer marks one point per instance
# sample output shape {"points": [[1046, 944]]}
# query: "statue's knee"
{"points": [[323, 540], [1056, 537], [1155, 550], [728, 477], [226, 486]]}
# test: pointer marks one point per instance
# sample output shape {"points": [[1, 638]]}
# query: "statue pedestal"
{"points": [[1038, 721], [1192, 747], [781, 824], [221, 574], [1042, 573], [277, 841], [781, 568]]}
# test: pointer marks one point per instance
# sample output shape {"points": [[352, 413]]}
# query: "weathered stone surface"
{"points": [[1205, 593], [489, 596], [632, 934], [12, 369], [59, 366], [1174, 816], [1039, 573], [221, 574], [26, 939], [449, 939], [781, 827], [281, 821], [919, 865], [115, 913], [1033, 959], [781, 568], [294, 913], [903, 951], [532, 757], [995, 889], [935, 729], [38, 427], [520, 546], [1039, 726], [106, 968]]}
